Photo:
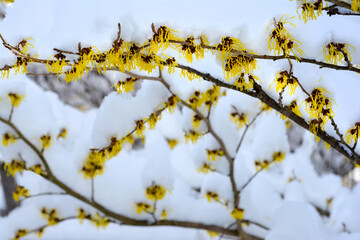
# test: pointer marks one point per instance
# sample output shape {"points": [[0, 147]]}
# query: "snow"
{"points": [[283, 198]]}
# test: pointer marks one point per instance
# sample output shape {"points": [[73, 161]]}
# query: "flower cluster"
{"points": [[319, 109], [20, 191], [283, 79], [310, 11], [281, 42], [144, 207], [212, 196], [56, 66], [45, 141], [355, 5], [37, 168], [15, 99], [295, 108], [352, 134], [14, 166], [51, 215], [237, 213], [20, 233], [24, 45], [243, 83], [125, 86], [205, 168], [192, 136], [189, 48], [196, 120], [337, 52], [155, 192], [94, 163], [213, 154], [161, 38], [235, 65], [8, 138], [240, 119], [277, 157]]}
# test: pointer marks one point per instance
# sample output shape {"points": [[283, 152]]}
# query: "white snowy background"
{"points": [[287, 208]]}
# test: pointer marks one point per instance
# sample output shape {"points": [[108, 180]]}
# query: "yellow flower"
{"points": [[14, 166], [161, 38], [212, 196], [45, 141], [237, 213], [190, 75], [282, 80], [172, 102], [40, 232], [189, 48], [99, 221], [213, 154], [295, 108], [278, 157], [206, 167], [352, 134], [196, 120], [234, 65], [56, 66], [153, 119], [265, 164], [125, 86], [15, 99], [170, 63], [212, 234], [143, 207], [94, 164], [265, 107], [37, 169], [355, 5], [140, 128], [24, 44], [319, 107], [8, 138], [20, 66], [337, 52], [172, 142], [308, 10], [155, 192], [114, 148], [226, 46], [211, 96], [21, 191], [244, 84], [146, 62], [195, 100], [5, 72], [192, 136], [163, 214], [62, 133], [239, 119], [20, 233], [50, 215], [281, 42], [327, 145], [314, 126]]}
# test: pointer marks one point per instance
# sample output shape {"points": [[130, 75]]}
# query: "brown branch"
{"points": [[250, 179], [247, 126], [340, 3], [125, 220], [222, 147], [260, 94]]}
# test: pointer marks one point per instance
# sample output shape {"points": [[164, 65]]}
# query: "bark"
{"points": [[8, 184]]}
